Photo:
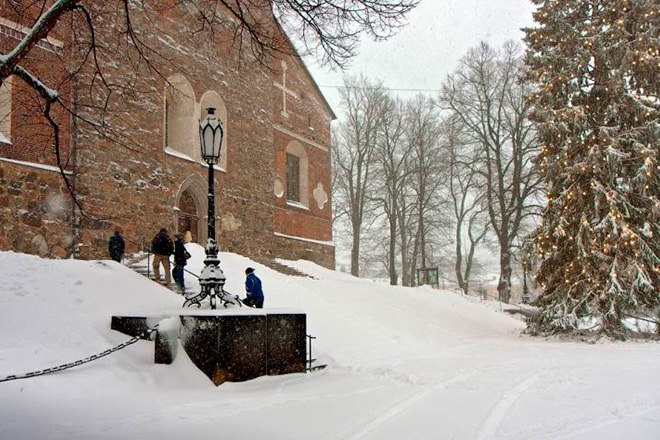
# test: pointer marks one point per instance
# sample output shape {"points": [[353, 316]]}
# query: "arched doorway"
{"points": [[191, 207], [188, 217]]}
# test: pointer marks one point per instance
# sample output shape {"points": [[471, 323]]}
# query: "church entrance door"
{"points": [[188, 217]]}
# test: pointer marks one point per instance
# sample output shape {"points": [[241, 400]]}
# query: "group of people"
{"points": [[163, 248]]}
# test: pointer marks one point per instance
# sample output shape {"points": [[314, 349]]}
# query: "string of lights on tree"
{"points": [[596, 65]]}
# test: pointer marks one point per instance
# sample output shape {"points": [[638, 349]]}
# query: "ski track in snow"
{"points": [[620, 417], [403, 405], [498, 413], [493, 420]]}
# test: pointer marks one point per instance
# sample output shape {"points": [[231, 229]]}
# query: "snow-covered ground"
{"points": [[402, 364]]}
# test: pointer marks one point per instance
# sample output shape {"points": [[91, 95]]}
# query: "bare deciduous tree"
{"points": [[428, 161], [466, 190], [353, 156], [487, 94], [393, 160]]}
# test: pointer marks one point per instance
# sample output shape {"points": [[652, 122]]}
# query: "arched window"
{"points": [[211, 98], [180, 121], [297, 174], [5, 111]]}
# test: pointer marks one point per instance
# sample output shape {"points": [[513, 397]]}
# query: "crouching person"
{"points": [[255, 295]]}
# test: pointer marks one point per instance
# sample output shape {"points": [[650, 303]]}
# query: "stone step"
{"points": [[281, 268], [270, 263], [148, 273]]}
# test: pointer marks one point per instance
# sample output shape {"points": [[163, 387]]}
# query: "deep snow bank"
{"points": [[54, 311], [403, 363]]}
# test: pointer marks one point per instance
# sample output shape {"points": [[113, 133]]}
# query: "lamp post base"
{"points": [[212, 280]]}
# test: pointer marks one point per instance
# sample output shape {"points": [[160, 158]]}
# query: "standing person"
{"points": [[255, 296], [116, 246], [162, 247], [181, 256]]}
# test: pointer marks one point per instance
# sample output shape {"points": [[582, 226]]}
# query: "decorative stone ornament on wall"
{"points": [[278, 187], [320, 195]]}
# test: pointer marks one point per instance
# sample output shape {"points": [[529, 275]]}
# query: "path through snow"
{"points": [[403, 363]]}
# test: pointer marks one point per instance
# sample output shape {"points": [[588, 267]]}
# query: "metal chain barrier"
{"points": [[79, 362]]}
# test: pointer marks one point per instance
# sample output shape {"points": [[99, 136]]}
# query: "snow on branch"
{"points": [[39, 31]]}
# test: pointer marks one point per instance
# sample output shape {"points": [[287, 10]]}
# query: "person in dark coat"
{"points": [[162, 247], [116, 246], [181, 256], [255, 295]]}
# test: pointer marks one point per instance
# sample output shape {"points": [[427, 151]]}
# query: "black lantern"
{"points": [[211, 279], [210, 136]]}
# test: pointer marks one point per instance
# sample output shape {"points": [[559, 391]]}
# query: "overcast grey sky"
{"points": [[438, 34]]}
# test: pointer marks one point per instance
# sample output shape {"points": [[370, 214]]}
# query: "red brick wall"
{"points": [[32, 136], [132, 183], [314, 223]]}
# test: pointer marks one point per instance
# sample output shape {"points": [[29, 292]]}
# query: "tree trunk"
{"points": [[468, 266], [405, 262], [612, 325], [459, 262], [392, 252], [413, 262], [355, 253], [422, 240], [504, 285]]}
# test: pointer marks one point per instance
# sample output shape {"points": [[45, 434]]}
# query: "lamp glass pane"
{"points": [[208, 141], [217, 145]]}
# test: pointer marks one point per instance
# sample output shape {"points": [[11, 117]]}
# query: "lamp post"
{"points": [[211, 279], [210, 136], [525, 292]]}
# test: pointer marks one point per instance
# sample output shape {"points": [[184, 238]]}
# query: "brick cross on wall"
{"points": [[284, 90]]}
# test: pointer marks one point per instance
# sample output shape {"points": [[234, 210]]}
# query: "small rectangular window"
{"points": [[5, 111], [292, 178]]}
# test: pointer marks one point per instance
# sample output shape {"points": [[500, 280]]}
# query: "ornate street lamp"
{"points": [[211, 279]]}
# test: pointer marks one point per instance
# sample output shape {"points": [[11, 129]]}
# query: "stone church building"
{"points": [[144, 171]]}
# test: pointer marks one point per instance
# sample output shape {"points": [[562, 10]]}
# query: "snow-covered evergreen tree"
{"points": [[597, 68]]}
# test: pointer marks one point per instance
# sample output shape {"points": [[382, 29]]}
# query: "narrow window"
{"points": [[5, 111], [292, 178], [310, 127]]}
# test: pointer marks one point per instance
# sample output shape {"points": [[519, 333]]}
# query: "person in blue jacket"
{"points": [[255, 296]]}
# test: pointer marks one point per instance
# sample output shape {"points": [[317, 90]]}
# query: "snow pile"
{"points": [[403, 363]]}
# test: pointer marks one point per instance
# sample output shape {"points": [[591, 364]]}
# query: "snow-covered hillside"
{"points": [[402, 364]]}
